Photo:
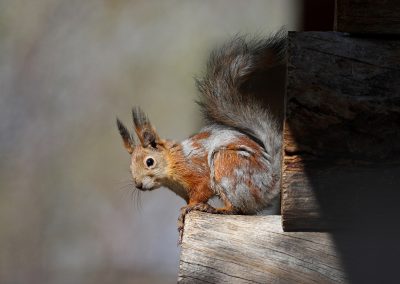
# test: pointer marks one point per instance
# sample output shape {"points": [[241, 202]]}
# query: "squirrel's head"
{"points": [[148, 162]]}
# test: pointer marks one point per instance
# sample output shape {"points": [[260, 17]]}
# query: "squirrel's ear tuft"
{"points": [[145, 132], [126, 137]]}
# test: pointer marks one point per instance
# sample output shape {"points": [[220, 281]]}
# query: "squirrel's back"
{"points": [[224, 98], [227, 104]]}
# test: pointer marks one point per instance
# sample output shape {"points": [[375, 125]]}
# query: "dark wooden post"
{"points": [[341, 160], [342, 129], [368, 16]]}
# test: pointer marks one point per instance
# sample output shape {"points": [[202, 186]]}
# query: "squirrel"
{"points": [[236, 156]]}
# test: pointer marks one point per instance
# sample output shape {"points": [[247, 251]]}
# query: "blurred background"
{"points": [[67, 69]]}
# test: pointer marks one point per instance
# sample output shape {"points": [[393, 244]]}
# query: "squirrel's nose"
{"points": [[138, 184]]}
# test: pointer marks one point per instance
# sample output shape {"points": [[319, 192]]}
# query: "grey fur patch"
{"points": [[187, 147], [239, 173], [226, 183], [189, 150], [244, 154], [245, 199], [242, 189], [219, 137], [260, 180]]}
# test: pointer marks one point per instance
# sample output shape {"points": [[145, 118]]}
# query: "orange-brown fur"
{"points": [[229, 160], [196, 183]]}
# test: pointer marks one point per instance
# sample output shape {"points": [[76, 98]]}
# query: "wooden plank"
{"points": [[341, 166], [368, 16], [254, 249]]}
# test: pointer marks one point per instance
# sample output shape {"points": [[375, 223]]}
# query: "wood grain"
{"points": [[368, 16], [341, 165], [254, 249]]}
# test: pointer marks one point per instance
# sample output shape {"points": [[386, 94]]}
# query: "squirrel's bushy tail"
{"points": [[224, 99]]}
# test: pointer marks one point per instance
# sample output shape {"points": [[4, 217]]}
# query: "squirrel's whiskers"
{"points": [[128, 190]]}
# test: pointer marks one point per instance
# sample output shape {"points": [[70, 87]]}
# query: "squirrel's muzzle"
{"points": [[139, 185]]}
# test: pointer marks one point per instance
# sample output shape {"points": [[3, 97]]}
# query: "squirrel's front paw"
{"points": [[181, 223], [180, 234], [204, 207]]}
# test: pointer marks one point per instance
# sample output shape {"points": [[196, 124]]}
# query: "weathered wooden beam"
{"points": [[254, 249], [368, 16], [341, 166]]}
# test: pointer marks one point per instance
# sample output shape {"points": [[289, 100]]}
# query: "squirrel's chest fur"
{"points": [[189, 169]]}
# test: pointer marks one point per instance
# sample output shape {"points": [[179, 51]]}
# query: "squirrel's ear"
{"points": [[126, 137], [145, 132]]}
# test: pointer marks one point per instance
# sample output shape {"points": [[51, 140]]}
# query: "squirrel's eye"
{"points": [[149, 162]]}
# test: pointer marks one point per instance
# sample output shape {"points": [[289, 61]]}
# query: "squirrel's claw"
{"points": [[181, 223], [204, 207], [180, 235]]}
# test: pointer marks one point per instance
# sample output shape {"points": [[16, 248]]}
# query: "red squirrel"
{"points": [[236, 157]]}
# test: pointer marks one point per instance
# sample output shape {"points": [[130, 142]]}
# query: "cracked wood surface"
{"points": [[368, 16], [254, 249], [341, 165]]}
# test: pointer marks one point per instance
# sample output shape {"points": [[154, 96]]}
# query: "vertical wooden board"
{"points": [[342, 124], [254, 249], [368, 16]]}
